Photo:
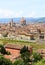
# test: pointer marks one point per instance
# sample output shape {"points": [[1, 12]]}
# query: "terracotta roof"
{"points": [[41, 51], [22, 19], [14, 49], [26, 34], [13, 46]]}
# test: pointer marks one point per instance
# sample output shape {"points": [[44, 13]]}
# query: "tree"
{"points": [[37, 57], [25, 55], [3, 50], [24, 49], [4, 61], [5, 35]]}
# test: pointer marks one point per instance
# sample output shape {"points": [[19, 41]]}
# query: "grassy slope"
{"points": [[33, 44]]}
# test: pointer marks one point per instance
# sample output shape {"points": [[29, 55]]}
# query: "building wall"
{"points": [[24, 37]]}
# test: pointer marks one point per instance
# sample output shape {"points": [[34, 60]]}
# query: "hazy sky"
{"points": [[22, 8]]}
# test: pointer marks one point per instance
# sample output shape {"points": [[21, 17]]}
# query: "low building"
{"points": [[11, 35], [23, 36], [15, 51]]}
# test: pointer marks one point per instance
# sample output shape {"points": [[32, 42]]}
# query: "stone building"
{"points": [[23, 21], [11, 23]]}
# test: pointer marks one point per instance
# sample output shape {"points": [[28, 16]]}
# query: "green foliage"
{"points": [[24, 49], [25, 55], [42, 62], [37, 57], [4, 61], [18, 62], [2, 50]]}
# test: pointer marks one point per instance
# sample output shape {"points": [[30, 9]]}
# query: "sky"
{"points": [[22, 8]]}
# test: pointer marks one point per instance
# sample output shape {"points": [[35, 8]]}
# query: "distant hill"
{"points": [[29, 20], [41, 19]]}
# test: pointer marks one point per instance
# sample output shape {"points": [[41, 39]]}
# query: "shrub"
{"points": [[18, 62], [42, 62], [4, 61], [37, 57]]}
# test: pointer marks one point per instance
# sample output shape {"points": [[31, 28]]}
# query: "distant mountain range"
{"points": [[29, 20]]}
